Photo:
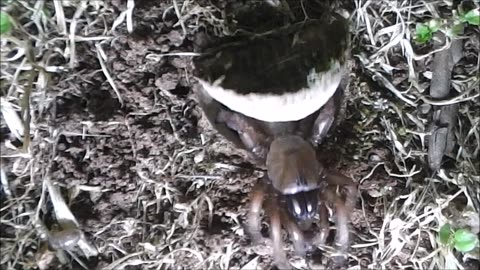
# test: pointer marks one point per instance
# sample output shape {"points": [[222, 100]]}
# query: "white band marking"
{"points": [[284, 108]]}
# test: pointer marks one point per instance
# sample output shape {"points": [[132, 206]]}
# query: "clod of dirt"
{"points": [[179, 62], [167, 81], [175, 38], [201, 40]]}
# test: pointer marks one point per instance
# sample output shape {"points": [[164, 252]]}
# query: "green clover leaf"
{"points": [[472, 17], [445, 234], [5, 23], [464, 240], [423, 33]]}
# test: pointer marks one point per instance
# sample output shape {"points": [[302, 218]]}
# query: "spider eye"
{"points": [[303, 205]]}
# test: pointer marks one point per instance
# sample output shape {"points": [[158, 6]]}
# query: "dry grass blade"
{"points": [[73, 29], [130, 7], [66, 218], [180, 17], [125, 15], [60, 17], [11, 118], [101, 59]]}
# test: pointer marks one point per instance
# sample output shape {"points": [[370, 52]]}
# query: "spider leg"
{"points": [[342, 236], [324, 225], [211, 110], [279, 255], [253, 218], [337, 178], [295, 232], [235, 127], [324, 122], [350, 187], [329, 115], [342, 207], [251, 135]]}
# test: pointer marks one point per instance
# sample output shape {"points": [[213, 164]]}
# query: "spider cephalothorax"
{"points": [[298, 188], [293, 170]]}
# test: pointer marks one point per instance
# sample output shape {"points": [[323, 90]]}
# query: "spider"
{"points": [[277, 95], [296, 186]]}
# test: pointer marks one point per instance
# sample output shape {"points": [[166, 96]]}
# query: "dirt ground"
{"points": [[152, 186]]}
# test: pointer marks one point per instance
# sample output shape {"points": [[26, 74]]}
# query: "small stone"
{"points": [[168, 81], [119, 66], [179, 62], [164, 48], [175, 37], [424, 109], [374, 159], [199, 157]]}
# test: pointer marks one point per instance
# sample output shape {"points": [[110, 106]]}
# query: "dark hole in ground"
{"points": [[68, 104], [219, 225], [170, 18], [145, 4], [143, 31], [148, 78], [101, 104], [181, 91], [83, 206]]}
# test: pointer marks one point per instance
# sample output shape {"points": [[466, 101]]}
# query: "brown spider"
{"points": [[298, 186], [277, 95]]}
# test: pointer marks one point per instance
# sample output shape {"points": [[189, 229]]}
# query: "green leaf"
{"points": [[422, 29], [464, 240], [445, 233], [5, 23], [423, 33], [473, 17]]}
